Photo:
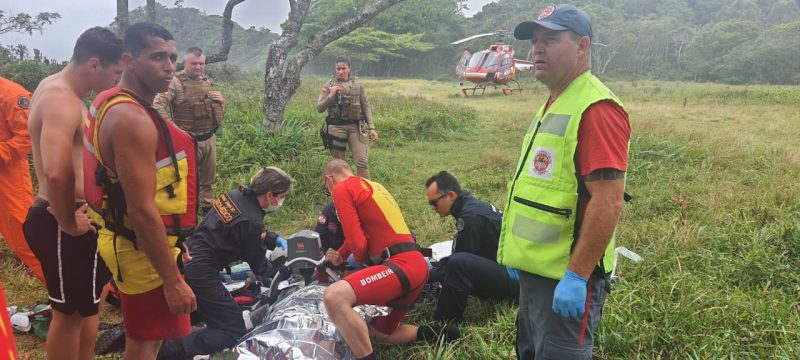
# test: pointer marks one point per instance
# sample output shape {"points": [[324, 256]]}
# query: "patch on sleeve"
{"points": [[322, 219], [460, 224], [226, 208], [24, 101]]}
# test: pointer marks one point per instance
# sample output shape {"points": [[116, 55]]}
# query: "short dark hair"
{"points": [[97, 42], [137, 33], [444, 183], [194, 50], [343, 59]]}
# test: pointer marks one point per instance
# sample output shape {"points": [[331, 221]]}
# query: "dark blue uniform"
{"points": [[230, 232], [472, 269], [329, 228]]}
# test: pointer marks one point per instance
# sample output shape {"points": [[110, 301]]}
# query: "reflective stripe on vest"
{"points": [[538, 227], [176, 192]]}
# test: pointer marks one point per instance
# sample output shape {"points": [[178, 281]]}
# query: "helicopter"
{"points": [[493, 66]]}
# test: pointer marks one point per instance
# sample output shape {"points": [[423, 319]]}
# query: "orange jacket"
{"points": [[15, 145], [16, 191]]}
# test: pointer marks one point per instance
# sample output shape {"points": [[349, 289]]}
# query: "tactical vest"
{"points": [[196, 113], [538, 229], [176, 174], [346, 106]]}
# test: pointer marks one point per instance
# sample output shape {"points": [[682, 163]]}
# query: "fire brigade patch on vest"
{"points": [[459, 224], [226, 209], [321, 219], [542, 163], [24, 101]]}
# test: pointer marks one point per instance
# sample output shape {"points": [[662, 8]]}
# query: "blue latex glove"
{"points": [[430, 266], [279, 241], [351, 260], [569, 298], [512, 273]]}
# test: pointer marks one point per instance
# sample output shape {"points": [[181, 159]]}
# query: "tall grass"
{"points": [[713, 171]]}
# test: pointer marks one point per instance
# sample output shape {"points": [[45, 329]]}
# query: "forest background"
{"points": [[728, 41]]}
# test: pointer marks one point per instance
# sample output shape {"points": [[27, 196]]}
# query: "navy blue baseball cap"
{"points": [[559, 17]]}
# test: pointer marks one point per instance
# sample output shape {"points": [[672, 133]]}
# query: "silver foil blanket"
{"points": [[298, 328]]}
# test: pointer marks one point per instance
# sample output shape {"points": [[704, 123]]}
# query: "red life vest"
{"points": [[176, 172]]}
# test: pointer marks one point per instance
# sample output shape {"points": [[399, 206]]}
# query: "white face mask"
{"points": [[272, 208]]}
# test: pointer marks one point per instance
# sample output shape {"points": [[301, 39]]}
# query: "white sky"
{"points": [[57, 40]]}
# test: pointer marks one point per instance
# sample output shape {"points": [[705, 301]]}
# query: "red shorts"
{"points": [[147, 317], [377, 285]]}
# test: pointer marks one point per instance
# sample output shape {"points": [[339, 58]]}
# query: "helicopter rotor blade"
{"points": [[473, 37]]}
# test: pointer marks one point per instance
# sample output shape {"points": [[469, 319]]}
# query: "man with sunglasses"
{"points": [[472, 269]]}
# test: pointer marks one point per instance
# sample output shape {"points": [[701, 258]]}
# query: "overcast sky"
{"points": [[58, 39]]}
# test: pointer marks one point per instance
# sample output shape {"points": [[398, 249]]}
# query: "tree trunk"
{"points": [[227, 34], [281, 79], [151, 11], [122, 17], [123, 22]]}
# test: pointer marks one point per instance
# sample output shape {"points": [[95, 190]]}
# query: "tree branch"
{"points": [[319, 42], [227, 33], [123, 20]]}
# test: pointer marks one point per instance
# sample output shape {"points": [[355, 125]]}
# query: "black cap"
{"points": [[559, 17]]}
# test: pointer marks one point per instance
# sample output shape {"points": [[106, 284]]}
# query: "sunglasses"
{"points": [[434, 202]]}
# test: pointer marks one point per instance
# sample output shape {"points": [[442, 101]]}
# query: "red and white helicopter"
{"points": [[493, 66]]}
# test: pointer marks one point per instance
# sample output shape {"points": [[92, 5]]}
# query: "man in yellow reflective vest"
{"points": [[567, 193]]}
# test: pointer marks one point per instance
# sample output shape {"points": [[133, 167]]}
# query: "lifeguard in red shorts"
{"points": [[376, 234]]}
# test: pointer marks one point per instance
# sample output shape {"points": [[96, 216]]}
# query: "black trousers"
{"points": [[216, 307], [467, 274]]}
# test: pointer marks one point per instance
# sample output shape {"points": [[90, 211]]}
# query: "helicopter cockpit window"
{"points": [[475, 60], [491, 60], [506, 60]]}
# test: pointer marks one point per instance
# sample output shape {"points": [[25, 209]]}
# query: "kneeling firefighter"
{"points": [[349, 121], [230, 232]]}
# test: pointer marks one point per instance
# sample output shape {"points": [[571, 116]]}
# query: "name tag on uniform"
{"points": [[226, 208]]}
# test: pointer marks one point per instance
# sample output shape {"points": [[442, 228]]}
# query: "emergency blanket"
{"points": [[298, 328]]}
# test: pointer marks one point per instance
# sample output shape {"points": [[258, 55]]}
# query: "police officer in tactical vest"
{"points": [[349, 120], [197, 109]]}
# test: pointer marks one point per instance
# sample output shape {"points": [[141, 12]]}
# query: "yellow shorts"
{"points": [[138, 274]]}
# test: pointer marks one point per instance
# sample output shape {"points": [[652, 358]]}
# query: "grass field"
{"points": [[714, 172]]}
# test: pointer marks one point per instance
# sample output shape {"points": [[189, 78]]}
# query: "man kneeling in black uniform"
{"points": [[230, 232], [472, 269]]}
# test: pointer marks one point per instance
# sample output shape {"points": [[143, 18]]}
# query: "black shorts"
{"points": [[74, 272]]}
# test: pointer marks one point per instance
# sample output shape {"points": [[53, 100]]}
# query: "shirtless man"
{"points": [[63, 238], [143, 193]]}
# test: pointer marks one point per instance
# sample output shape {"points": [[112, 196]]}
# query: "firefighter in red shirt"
{"points": [[376, 234]]}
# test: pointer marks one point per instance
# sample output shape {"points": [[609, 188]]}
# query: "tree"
{"points": [[282, 75], [151, 11], [227, 33], [708, 48], [25, 23], [372, 46], [123, 20]]}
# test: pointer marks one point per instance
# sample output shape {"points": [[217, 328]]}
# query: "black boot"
{"points": [[448, 332]]}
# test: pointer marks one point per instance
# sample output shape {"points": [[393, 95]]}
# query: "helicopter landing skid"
{"points": [[471, 91], [508, 90]]}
